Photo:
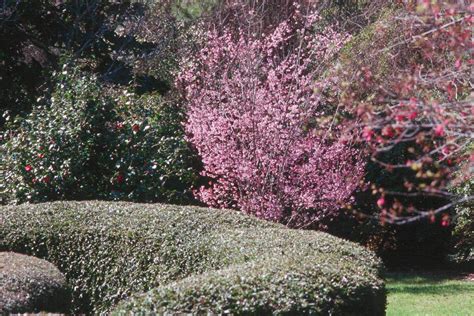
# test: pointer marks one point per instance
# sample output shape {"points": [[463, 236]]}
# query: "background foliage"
{"points": [[121, 42]]}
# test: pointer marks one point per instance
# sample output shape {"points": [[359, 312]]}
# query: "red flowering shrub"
{"points": [[253, 118], [424, 109], [404, 84], [85, 144]]}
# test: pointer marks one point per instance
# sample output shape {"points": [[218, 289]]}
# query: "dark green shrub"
{"points": [[150, 152], [83, 144], [194, 260]]}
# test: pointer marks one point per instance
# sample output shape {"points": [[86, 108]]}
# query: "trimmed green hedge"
{"points": [[29, 284], [193, 259]]}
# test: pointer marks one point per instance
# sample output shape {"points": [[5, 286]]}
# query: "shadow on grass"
{"points": [[435, 289], [434, 283], [425, 277]]}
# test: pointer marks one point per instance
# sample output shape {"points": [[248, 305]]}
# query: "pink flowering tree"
{"points": [[255, 119]]}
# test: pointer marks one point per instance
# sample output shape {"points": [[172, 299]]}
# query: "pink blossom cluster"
{"points": [[252, 114]]}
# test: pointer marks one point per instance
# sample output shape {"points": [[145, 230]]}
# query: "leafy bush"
{"points": [[253, 116], [195, 259], [82, 144]]}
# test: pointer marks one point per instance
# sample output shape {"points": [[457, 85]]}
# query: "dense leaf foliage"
{"points": [[83, 144], [197, 260], [463, 222]]}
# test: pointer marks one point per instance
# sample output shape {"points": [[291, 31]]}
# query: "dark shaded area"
{"points": [[104, 37], [425, 243], [429, 289]]}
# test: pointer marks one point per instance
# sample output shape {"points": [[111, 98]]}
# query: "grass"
{"points": [[429, 294]]}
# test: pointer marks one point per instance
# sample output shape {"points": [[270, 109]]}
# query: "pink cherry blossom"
{"points": [[252, 111]]}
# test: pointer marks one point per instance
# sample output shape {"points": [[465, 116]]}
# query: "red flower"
{"points": [[119, 125], [445, 220], [400, 118], [388, 131], [28, 168], [458, 63], [40, 156], [46, 179], [136, 128], [368, 133], [120, 178], [413, 115], [381, 202], [439, 131]]}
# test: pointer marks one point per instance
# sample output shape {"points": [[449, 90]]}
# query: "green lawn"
{"points": [[429, 294]]}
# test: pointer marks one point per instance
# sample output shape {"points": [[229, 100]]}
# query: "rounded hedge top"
{"points": [[193, 259], [29, 284]]}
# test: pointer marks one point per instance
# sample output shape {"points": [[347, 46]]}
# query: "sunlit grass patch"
{"points": [[429, 294]]}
